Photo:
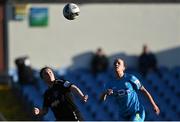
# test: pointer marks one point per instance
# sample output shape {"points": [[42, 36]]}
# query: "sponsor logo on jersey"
{"points": [[67, 84]]}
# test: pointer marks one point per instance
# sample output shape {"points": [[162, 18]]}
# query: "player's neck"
{"points": [[50, 84], [120, 74]]}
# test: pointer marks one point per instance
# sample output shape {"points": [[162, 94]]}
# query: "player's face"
{"points": [[48, 75], [119, 66]]}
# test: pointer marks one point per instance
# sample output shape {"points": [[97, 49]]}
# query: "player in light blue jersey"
{"points": [[124, 89]]}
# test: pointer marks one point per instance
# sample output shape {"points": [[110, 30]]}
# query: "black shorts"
{"points": [[72, 116]]}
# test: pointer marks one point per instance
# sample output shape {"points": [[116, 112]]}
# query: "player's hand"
{"points": [[85, 98], [109, 92], [36, 111], [156, 109]]}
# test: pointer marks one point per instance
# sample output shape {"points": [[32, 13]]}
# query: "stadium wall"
{"points": [[120, 29]]}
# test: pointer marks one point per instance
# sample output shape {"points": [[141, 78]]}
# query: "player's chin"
{"points": [[116, 69]]}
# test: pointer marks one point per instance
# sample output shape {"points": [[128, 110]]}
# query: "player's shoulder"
{"points": [[57, 81], [46, 93], [65, 83], [131, 77], [128, 75]]}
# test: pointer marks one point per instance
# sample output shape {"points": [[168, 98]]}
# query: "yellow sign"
{"points": [[20, 11]]}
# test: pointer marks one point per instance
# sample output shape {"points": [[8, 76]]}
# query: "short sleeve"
{"points": [[136, 83], [65, 85]]}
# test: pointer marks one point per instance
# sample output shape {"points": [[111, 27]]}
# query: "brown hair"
{"points": [[43, 69]]}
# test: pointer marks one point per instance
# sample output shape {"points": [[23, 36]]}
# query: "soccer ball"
{"points": [[71, 11]]}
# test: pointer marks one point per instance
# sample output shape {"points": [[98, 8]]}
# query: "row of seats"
{"points": [[165, 94], [163, 86]]}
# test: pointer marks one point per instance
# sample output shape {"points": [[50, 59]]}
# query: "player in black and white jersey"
{"points": [[58, 97]]}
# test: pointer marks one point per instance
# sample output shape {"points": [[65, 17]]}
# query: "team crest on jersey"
{"points": [[67, 84]]}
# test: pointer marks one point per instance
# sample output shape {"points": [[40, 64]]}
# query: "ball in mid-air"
{"points": [[71, 11]]}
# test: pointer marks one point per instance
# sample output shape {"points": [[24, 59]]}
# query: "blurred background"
{"points": [[34, 34]]}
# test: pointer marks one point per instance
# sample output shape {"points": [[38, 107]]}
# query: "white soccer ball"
{"points": [[71, 11]]}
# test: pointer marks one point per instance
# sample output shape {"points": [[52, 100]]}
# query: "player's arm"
{"points": [[40, 112], [105, 94], [44, 110], [147, 94], [77, 91]]}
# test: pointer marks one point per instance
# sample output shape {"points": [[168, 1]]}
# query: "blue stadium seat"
{"points": [[176, 72], [42, 86], [32, 95], [36, 98], [49, 116], [158, 86]]}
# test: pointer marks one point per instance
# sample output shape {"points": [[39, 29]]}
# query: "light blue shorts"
{"points": [[136, 117]]}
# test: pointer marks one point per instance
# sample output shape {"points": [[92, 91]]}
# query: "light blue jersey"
{"points": [[124, 92]]}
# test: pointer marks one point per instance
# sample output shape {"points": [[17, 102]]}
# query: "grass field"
{"points": [[11, 107]]}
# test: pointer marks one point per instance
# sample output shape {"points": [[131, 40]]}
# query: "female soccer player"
{"points": [[124, 88], [58, 98]]}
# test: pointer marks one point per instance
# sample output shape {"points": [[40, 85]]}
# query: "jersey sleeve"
{"points": [[136, 83], [66, 85]]}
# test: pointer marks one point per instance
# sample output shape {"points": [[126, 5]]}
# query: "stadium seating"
{"points": [[164, 88]]}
